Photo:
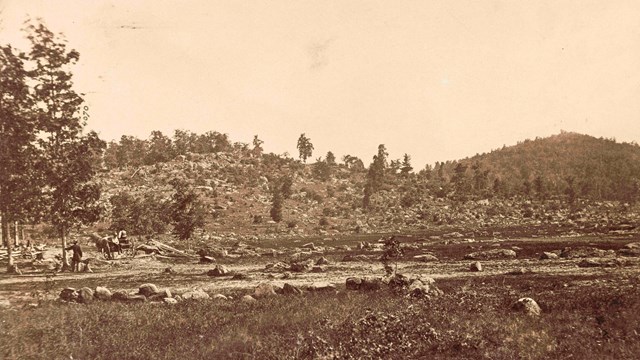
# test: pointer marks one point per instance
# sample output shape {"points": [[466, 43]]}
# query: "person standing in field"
{"points": [[77, 256]]}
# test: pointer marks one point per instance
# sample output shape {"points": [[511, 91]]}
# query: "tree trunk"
{"points": [[63, 236], [17, 238], [5, 236]]}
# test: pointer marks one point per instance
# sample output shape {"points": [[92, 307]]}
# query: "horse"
{"points": [[107, 246]]}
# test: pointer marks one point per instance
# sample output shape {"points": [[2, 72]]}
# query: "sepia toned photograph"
{"points": [[322, 179]]}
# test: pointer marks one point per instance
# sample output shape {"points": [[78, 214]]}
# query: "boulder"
{"points": [[219, 297], [547, 255], [527, 306], [475, 266], [322, 261], [317, 269], [85, 295], [102, 293], [148, 290], [301, 266], [425, 258], [248, 299], [321, 286], [277, 267], [198, 294], [263, 290], [170, 301], [219, 270], [491, 254], [160, 296], [353, 283], [289, 289], [120, 295], [69, 294]]}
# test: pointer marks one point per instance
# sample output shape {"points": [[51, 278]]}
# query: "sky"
{"points": [[438, 80]]}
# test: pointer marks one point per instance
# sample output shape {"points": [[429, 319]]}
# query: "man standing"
{"points": [[77, 256]]}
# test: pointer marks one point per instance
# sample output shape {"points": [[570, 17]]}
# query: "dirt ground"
{"points": [[39, 282]]}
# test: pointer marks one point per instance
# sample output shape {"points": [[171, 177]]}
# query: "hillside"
{"points": [[327, 199]]}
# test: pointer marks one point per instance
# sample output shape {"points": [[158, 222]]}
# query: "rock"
{"points": [[263, 290], [289, 289], [519, 271], [248, 299], [169, 270], [491, 254], [120, 295], [547, 255], [527, 306], [321, 286], [322, 261], [207, 259], [317, 269], [301, 266], [102, 293], [277, 267], [425, 258], [475, 267], [219, 297], [69, 294], [634, 245], [423, 288], [160, 296], [350, 257], [585, 252], [5, 303], [241, 276], [170, 301], [353, 283], [219, 270], [148, 290], [287, 275], [137, 298], [198, 294], [309, 246], [85, 295]]}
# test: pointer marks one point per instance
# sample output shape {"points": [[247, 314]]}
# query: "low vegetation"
{"points": [[472, 320]]}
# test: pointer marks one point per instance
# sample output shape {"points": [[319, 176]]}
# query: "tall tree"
{"points": [[70, 158], [187, 211], [305, 147], [17, 144], [406, 165]]}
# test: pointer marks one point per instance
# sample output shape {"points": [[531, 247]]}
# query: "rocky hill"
{"points": [[326, 199]]}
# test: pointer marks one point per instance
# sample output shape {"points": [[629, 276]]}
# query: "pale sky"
{"points": [[439, 80]]}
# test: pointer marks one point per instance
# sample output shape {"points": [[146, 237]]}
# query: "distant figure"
{"points": [[122, 236], [77, 256]]}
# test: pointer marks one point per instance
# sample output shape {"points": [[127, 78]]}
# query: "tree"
{"points": [[257, 146], [159, 148], [70, 158], [138, 215], [305, 147], [17, 145], [276, 206], [406, 165], [330, 159], [187, 211]]}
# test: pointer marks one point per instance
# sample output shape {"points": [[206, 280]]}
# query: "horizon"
{"points": [[439, 81]]}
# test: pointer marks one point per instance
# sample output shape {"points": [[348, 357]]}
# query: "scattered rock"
{"points": [[353, 283], [586, 263], [69, 294], [207, 259], [248, 299], [475, 267], [198, 294], [263, 290], [350, 257], [85, 295], [241, 276], [519, 271], [220, 297], [527, 306], [491, 254], [547, 255], [317, 269], [425, 258], [322, 261], [148, 290], [170, 301], [289, 289], [102, 293], [219, 270], [169, 270], [321, 286]]}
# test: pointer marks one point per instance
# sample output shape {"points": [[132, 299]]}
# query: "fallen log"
{"points": [[170, 249]]}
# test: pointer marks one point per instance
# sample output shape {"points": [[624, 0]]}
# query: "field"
{"points": [[589, 299]]}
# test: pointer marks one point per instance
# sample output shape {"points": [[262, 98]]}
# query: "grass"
{"points": [[472, 320]]}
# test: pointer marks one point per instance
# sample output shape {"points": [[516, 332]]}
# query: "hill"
{"points": [[525, 185]]}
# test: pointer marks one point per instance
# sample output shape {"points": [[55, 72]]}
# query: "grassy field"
{"points": [[588, 317]]}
